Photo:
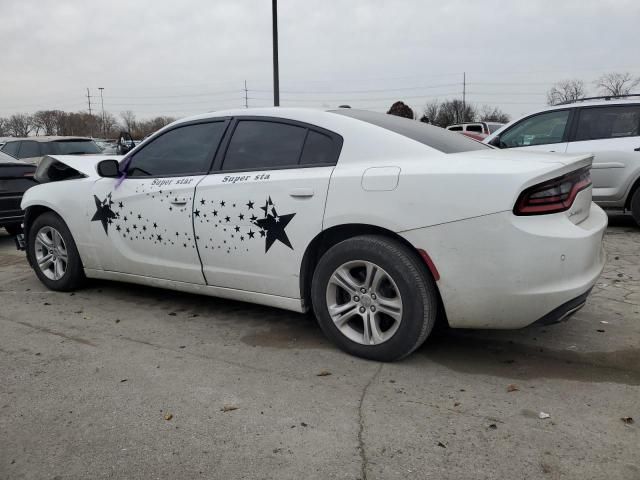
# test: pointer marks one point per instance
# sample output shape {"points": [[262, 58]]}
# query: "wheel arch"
{"points": [[634, 187], [333, 235]]}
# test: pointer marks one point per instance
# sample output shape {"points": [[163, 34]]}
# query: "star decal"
{"points": [[274, 225], [250, 205], [104, 213], [196, 213], [202, 202], [241, 216]]}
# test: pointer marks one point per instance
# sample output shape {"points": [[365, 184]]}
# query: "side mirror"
{"points": [[109, 169]]}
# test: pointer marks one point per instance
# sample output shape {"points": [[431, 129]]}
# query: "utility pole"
{"points": [[464, 94], [246, 99], [276, 74], [104, 129], [90, 117]]}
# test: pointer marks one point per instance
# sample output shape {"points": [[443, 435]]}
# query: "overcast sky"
{"points": [[191, 56]]}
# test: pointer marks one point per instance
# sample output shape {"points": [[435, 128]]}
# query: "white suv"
{"points": [[608, 128]]}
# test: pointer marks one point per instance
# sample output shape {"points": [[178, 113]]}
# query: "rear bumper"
{"points": [[564, 311], [502, 271]]}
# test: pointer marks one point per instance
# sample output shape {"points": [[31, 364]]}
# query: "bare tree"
{"points": [[20, 125], [109, 126], [129, 119], [488, 114], [616, 83], [47, 121], [401, 109], [3, 127], [566, 91], [430, 112]]}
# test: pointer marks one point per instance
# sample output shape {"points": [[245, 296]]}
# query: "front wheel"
{"points": [[373, 298], [53, 253]]}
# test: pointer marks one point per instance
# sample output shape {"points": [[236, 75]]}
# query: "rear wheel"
{"points": [[635, 206], [53, 253], [373, 298]]}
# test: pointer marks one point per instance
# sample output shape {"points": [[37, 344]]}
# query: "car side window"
{"points": [[455, 129], [319, 149], [541, 129], [11, 148], [258, 144], [608, 122], [29, 149], [474, 128], [186, 150]]}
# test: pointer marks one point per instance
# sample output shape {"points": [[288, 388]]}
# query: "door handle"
{"points": [[301, 192], [179, 201]]}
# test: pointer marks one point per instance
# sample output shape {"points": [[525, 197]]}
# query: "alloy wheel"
{"points": [[51, 253], [364, 302]]}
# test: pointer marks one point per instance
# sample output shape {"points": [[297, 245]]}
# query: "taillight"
{"points": [[553, 196]]}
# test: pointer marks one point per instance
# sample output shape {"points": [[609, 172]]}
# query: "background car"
{"points": [[33, 149], [483, 128], [608, 128], [107, 147], [15, 178], [376, 222]]}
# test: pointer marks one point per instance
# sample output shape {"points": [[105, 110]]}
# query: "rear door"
{"points": [[144, 226], [545, 132], [612, 134], [255, 215]]}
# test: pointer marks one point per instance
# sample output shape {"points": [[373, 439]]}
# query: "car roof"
{"points": [[589, 103], [47, 138]]}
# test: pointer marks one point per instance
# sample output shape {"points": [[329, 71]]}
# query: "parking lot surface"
{"points": [[122, 381]]}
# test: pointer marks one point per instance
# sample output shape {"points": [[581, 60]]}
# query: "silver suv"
{"points": [[607, 127]]}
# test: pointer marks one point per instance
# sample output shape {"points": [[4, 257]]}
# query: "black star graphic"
{"points": [[222, 203], [215, 213], [274, 225], [159, 237], [251, 233], [262, 234], [144, 227], [120, 205], [135, 227], [125, 219], [118, 228], [253, 218], [227, 219], [139, 217], [237, 228], [241, 238], [196, 213], [241, 216], [250, 205], [202, 202], [103, 212], [155, 225]]}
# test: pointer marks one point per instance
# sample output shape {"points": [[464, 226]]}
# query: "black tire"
{"points": [[415, 286], [13, 229], [74, 274], [635, 206]]}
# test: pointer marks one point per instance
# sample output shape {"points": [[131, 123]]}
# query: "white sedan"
{"points": [[382, 225]]}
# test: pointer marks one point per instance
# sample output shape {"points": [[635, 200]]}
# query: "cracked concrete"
{"points": [[87, 380]]}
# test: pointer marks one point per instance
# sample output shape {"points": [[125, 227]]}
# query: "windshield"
{"points": [[70, 147], [494, 127], [432, 136]]}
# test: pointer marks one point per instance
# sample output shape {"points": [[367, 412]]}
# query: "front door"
{"points": [[144, 225], [255, 218]]}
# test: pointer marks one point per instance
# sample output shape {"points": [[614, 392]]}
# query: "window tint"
{"points": [[474, 128], [540, 129], [185, 150], [608, 122], [11, 148], [432, 136], [260, 144], [71, 147], [29, 149], [318, 149]]}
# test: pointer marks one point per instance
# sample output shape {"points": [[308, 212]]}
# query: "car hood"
{"points": [[85, 164]]}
